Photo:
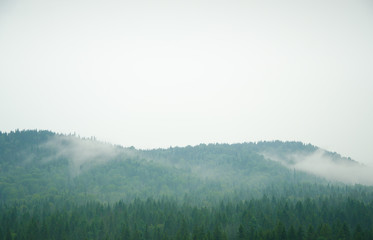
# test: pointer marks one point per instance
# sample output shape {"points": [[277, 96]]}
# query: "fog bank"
{"points": [[327, 165], [81, 154]]}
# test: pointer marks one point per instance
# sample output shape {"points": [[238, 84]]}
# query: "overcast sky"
{"points": [[173, 73]]}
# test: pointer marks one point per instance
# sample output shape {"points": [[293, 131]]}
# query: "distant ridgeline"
{"points": [[41, 164]]}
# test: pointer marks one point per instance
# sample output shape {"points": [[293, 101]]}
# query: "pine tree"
{"points": [[358, 233], [292, 234], [241, 233]]}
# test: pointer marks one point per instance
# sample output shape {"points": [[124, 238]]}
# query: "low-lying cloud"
{"points": [[323, 164], [81, 154]]}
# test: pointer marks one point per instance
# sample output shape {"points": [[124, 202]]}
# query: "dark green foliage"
{"points": [[280, 231], [358, 233], [241, 233], [146, 220], [215, 191], [292, 235], [40, 164]]}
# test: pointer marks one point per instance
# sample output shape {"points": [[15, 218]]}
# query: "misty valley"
{"points": [[56, 186]]}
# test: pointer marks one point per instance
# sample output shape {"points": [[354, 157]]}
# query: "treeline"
{"points": [[268, 218], [35, 164], [63, 187]]}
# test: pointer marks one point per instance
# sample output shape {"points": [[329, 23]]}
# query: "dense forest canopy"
{"points": [[41, 163], [55, 186]]}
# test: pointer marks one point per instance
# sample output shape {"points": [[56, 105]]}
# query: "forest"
{"points": [[55, 186]]}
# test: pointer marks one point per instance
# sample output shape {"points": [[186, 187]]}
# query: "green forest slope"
{"points": [[38, 164], [55, 186]]}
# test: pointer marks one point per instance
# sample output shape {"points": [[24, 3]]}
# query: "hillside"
{"points": [[55, 186], [38, 164]]}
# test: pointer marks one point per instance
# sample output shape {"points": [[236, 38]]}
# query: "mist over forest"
{"points": [[56, 186], [210, 120], [114, 172]]}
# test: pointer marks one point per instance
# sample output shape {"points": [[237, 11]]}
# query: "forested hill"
{"points": [[55, 186], [41, 164]]}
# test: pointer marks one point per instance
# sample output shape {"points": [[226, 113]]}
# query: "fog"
{"points": [[324, 164], [81, 154]]}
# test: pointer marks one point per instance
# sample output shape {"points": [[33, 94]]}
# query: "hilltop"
{"points": [[38, 164]]}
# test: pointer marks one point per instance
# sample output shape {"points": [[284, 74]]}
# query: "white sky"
{"points": [[172, 73]]}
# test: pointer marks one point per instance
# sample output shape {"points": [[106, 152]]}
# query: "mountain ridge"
{"points": [[36, 163]]}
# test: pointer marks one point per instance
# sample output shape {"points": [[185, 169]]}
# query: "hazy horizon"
{"points": [[176, 73]]}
